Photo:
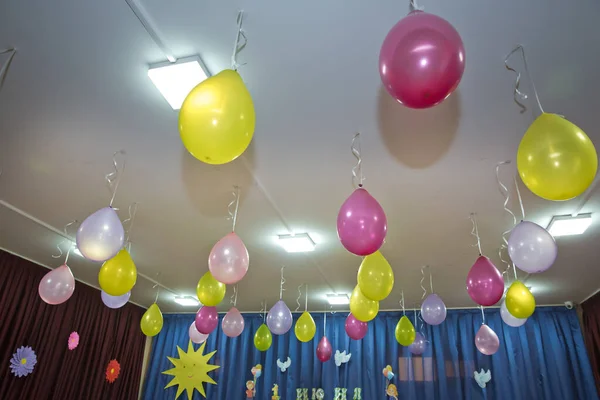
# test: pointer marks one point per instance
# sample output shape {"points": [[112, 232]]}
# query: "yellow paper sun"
{"points": [[191, 370]]}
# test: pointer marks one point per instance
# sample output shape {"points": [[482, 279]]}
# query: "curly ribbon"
{"points": [[11, 53], [263, 310], [475, 231], [234, 212], [415, 7], [505, 192], [234, 296], [325, 321], [281, 289], [71, 244], [133, 206], [482, 316], [157, 287], [299, 297], [402, 302], [357, 174], [519, 96], [422, 281], [237, 47], [114, 178]]}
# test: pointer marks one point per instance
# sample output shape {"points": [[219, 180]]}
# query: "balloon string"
{"points": [[131, 219], [306, 299], [263, 310], [482, 315], [520, 199], [281, 289], [298, 298], [517, 93], [430, 279], [115, 176], [422, 281], [357, 174], [475, 231], [503, 247], [236, 201], [71, 244], [515, 272], [237, 47], [234, 296], [11, 53], [402, 302], [325, 322], [415, 7]]}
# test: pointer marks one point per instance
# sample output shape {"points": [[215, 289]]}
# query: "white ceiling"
{"points": [[77, 91]]}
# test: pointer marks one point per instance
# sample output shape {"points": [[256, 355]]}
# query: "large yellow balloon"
{"points": [[209, 290], [263, 338], [118, 275], [152, 321], [375, 277], [362, 308], [519, 300], [405, 332], [305, 327], [216, 120], [556, 159]]}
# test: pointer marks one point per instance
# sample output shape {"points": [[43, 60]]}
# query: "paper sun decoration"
{"points": [[191, 370], [112, 371], [73, 340], [23, 361]]}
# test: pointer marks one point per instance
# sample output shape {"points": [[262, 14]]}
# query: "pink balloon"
{"points": [[324, 350], [484, 282], [228, 260], [233, 323], [196, 336], [361, 223], [486, 340], [356, 329], [422, 60], [57, 286], [207, 319]]}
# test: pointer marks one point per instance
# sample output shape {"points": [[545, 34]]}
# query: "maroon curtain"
{"points": [[591, 332], [104, 334]]}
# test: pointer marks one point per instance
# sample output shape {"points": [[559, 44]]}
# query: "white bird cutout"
{"points": [[283, 366], [482, 377], [341, 358]]}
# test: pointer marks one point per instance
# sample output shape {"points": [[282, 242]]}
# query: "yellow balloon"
{"points": [[362, 308], [375, 277], [556, 159], [263, 338], [216, 120], [519, 300], [405, 332], [209, 290], [152, 321], [118, 275], [305, 327]]}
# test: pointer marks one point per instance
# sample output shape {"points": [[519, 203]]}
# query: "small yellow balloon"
{"points": [[216, 120], [405, 332], [362, 308], [305, 327], [519, 300], [117, 276], [209, 290], [152, 321], [556, 159], [375, 277], [263, 338]]}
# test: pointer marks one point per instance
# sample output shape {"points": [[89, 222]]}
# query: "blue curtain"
{"points": [[544, 359]]}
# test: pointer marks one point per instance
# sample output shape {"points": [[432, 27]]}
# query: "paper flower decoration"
{"points": [[73, 340], [112, 371], [23, 361]]}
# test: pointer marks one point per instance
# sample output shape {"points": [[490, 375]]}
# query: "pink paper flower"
{"points": [[73, 340]]}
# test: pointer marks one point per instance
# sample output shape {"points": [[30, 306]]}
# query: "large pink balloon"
{"points": [[207, 319], [57, 286], [324, 350], [196, 336], [484, 282], [361, 223], [486, 340], [233, 323], [422, 60], [228, 260], [356, 329]]}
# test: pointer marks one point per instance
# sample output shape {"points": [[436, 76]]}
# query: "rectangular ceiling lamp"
{"points": [[564, 225], [187, 301], [297, 243], [175, 80], [338, 299]]}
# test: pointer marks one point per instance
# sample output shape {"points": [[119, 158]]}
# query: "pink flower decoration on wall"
{"points": [[73, 340]]}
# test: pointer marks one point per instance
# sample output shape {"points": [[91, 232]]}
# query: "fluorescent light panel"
{"points": [[175, 80], [564, 225], [338, 299], [297, 243], [187, 301]]}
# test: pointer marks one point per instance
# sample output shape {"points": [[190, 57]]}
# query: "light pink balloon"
{"points": [[57, 286], [196, 336], [228, 260], [422, 60], [324, 350], [484, 282], [233, 323], [361, 223], [486, 340]]}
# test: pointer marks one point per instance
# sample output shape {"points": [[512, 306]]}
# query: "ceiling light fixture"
{"points": [[187, 301], [564, 225], [175, 80], [297, 243], [335, 299]]}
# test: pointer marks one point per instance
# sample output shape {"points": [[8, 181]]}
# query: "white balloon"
{"points": [[196, 336], [508, 318]]}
